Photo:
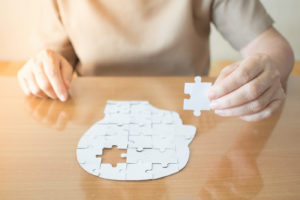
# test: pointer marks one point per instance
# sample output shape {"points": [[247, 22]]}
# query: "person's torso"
{"points": [[138, 37]]}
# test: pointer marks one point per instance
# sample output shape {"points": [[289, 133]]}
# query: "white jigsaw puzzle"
{"points": [[197, 92], [157, 142]]}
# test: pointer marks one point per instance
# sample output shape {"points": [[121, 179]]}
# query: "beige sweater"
{"points": [[145, 37]]}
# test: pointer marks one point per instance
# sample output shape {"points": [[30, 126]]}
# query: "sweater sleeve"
{"points": [[51, 34], [240, 21]]}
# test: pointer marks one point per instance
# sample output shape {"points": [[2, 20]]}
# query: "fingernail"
{"points": [[63, 97], [214, 104]]}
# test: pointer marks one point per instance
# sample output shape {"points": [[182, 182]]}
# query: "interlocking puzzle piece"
{"points": [[120, 140], [158, 170], [135, 129], [197, 92], [152, 156], [106, 129], [116, 119], [165, 117], [141, 120], [140, 142], [142, 108], [139, 171], [88, 160], [187, 131], [115, 173], [163, 142], [92, 142], [130, 125], [182, 154], [116, 107]]}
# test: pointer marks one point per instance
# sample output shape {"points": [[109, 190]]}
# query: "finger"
{"points": [[67, 72], [248, 69], [43, 81], [253, 106], [23, 85], [33, 86], [247, 92], [226, 71], [267, 112], [52, 69]]}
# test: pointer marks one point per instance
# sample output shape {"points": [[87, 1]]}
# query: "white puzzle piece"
{"points": [[197, 92], [152, 156], [115, 173], [140, 142], [139, 171], [157, 142]]}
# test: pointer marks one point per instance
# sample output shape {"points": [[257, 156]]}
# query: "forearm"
{"points": [[276, 47]]}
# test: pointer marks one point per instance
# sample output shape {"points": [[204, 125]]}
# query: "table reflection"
{"points": [[236, 174], [51, 113]]}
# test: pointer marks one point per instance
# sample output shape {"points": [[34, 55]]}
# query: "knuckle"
{"points": [[243, 75], [276, 75]]}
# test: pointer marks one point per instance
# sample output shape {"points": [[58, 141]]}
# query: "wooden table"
{"points": [[230, 158]]}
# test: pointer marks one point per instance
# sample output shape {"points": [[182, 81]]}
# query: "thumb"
{"points": [[66, 72]]}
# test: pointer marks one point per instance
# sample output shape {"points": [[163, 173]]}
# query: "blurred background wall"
{"points": [[17, 19], [286, 14]]}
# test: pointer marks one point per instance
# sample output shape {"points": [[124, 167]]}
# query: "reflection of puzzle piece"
{"points": [[110, 172], [140, 142], [139, 171], [152, 156], [197, 92]]}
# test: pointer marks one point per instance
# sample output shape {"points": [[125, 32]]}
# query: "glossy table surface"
{"points": [[230, 158]]}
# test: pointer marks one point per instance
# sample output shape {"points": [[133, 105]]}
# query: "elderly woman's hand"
{"points": [[46, 75]]}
